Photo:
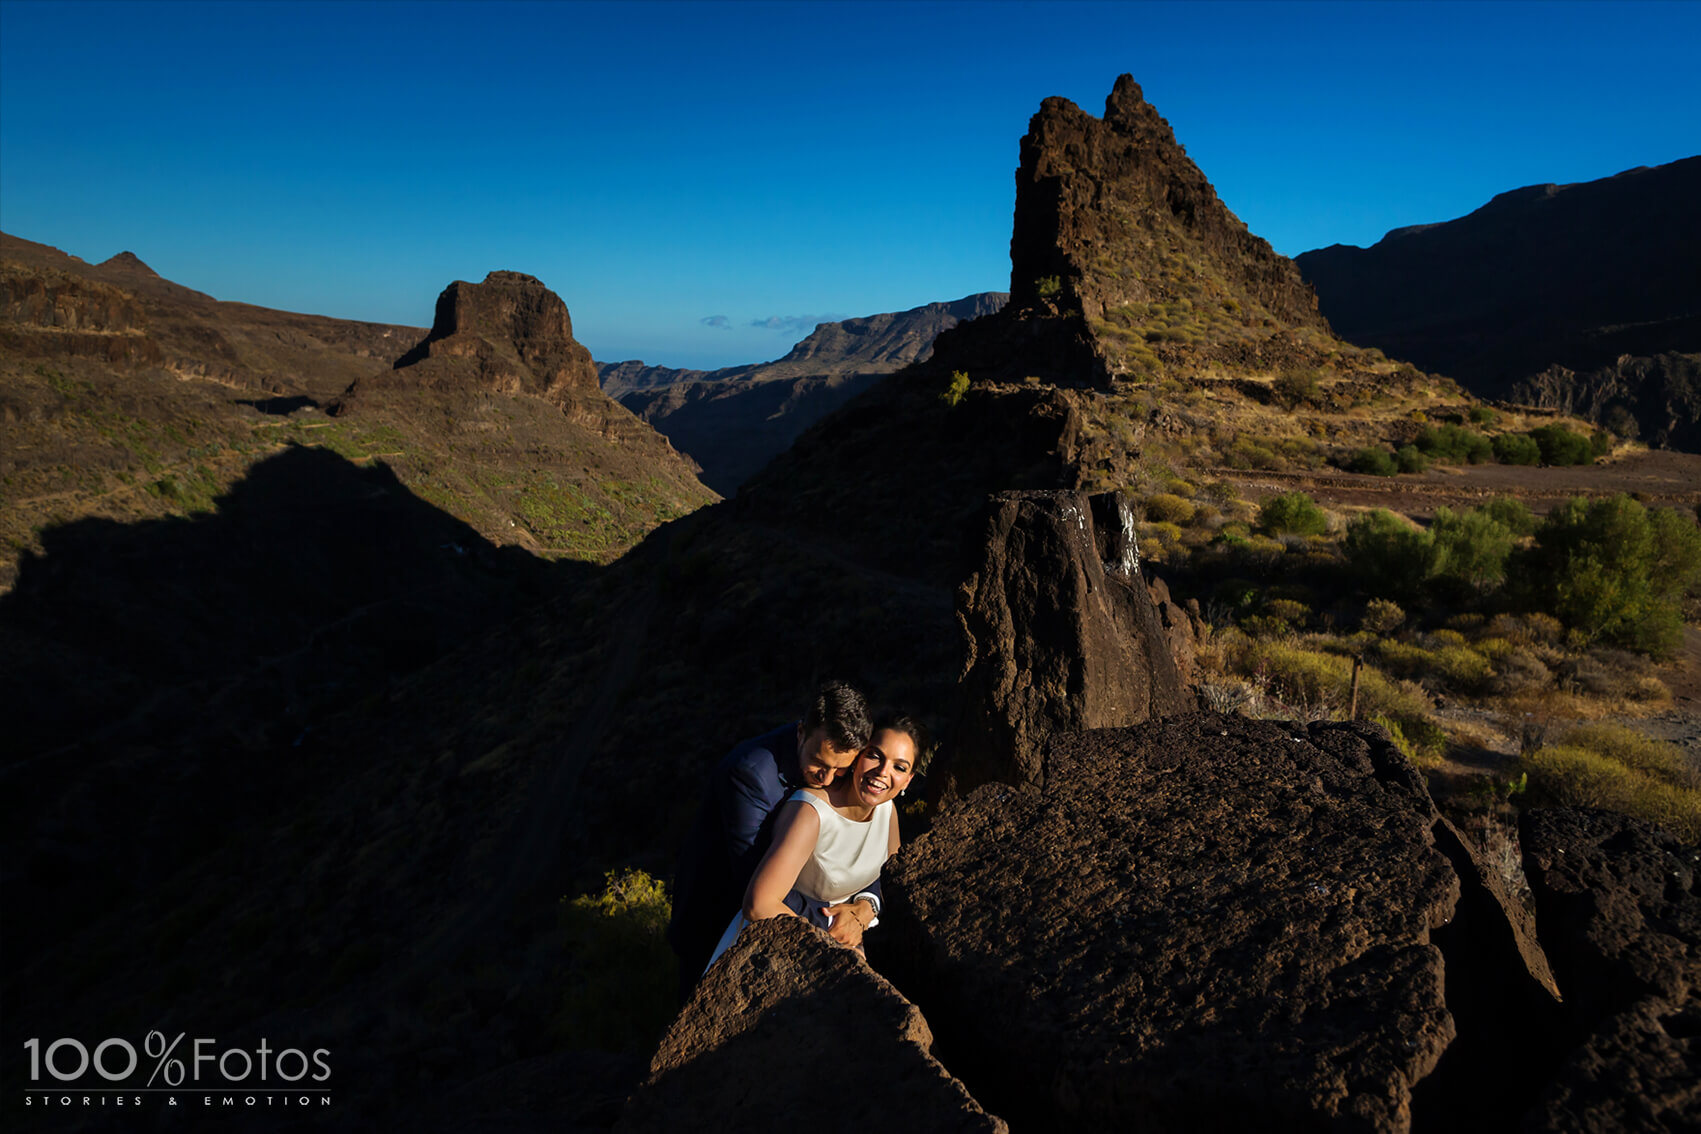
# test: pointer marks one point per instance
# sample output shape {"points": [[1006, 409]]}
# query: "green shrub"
{"points": [[1048, 286], [1316, 676], [1389, 558], [1573, 775], [1288, 611], [1295, 387], [1457, 667], [622, 986], [957, 390], [1511, 514], [1516, 449], [1481, 415], [1469, 549], [1408, 459], [1636, 751], [1373, 462], [1271, 453], [1291, 513], [1167, 507], [1613, 571], [1455, 444], [1382, 616], [1560, 446]]}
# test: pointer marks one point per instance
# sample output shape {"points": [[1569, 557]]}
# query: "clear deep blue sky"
{"points": [[666, 168]]}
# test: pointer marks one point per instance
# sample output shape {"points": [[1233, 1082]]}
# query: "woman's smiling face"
{"points": [[885, 767]]}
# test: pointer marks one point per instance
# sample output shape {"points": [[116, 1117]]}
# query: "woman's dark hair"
{"points": [[843, 712], [901, 722]]}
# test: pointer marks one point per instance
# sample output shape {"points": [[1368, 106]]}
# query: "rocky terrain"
{"points": [[350, 756], [734, 420], [1582, 297]]}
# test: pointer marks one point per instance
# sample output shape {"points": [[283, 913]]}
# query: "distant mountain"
{"points": [[1573, 276], [127, 396], [732, 421]]}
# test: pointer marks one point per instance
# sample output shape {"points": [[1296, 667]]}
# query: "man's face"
{"points": [[819, 763]]}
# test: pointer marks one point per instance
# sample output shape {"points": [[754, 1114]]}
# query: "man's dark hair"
{"points": [[902, 722], [843, 712]]}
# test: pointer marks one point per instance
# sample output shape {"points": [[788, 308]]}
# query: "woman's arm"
{"points": [[892, 835], [795, 833]]}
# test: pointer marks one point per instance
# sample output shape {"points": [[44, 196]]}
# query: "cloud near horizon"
{"points": [[720, 322], [796, 324]]}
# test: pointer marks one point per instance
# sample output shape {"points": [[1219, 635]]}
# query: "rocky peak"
{"points": [[1112, 212], [517, 332], [129, 262], [1123, 261]]}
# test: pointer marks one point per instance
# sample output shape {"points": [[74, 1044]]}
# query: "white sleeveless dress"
{"points": [[848, 856]]}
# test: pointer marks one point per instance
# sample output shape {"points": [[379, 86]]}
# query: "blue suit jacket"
{"points": [[733, 830]]}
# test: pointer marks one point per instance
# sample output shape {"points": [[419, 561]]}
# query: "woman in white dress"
{"points": [[830, 843]]}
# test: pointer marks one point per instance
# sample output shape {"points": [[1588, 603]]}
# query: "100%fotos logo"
{"points": [[115, 1060]]}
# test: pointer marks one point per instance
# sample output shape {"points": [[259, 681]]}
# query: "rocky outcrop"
{"points": [[1567, 275], [790, 1029], [515, 333], [1107, 205], [1657, 400], [1188, 923], [1122, 257], [1060, 634], [1619, 905]]}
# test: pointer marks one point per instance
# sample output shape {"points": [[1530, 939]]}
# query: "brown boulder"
{"points": [[1057, 638], [1640, 1071], [1618, 903], [791, 1030], [1618, 907], [1202, 923], [516, 333]]}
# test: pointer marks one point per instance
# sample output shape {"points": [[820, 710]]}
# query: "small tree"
{"points": [[1517, 449], [1470, 549], [1561, 446], [1613, 571], [1292, 513], [1388, 556]]}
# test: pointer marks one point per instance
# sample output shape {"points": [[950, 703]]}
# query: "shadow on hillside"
{"points": [[279, 407], [164, 679]]}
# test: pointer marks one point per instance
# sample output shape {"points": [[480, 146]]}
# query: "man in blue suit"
{"points": [[735, 826]]}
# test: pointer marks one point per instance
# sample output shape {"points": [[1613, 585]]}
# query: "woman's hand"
{"points": [[795, 833], [850, 920]]}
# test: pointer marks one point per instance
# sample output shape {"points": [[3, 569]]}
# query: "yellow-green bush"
{"points": [[1288, 610], [1458, 666], [1574, 776], [1382, 616], [1447, 637], [1635, 750], [1167, 507], [1300, 672], [622, 983], [1493, 648]]}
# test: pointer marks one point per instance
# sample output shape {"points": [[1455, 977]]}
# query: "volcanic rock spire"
{"points": [[1122, 257]]}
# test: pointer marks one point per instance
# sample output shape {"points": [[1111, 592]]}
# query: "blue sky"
{"points": [[700, 181]]}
